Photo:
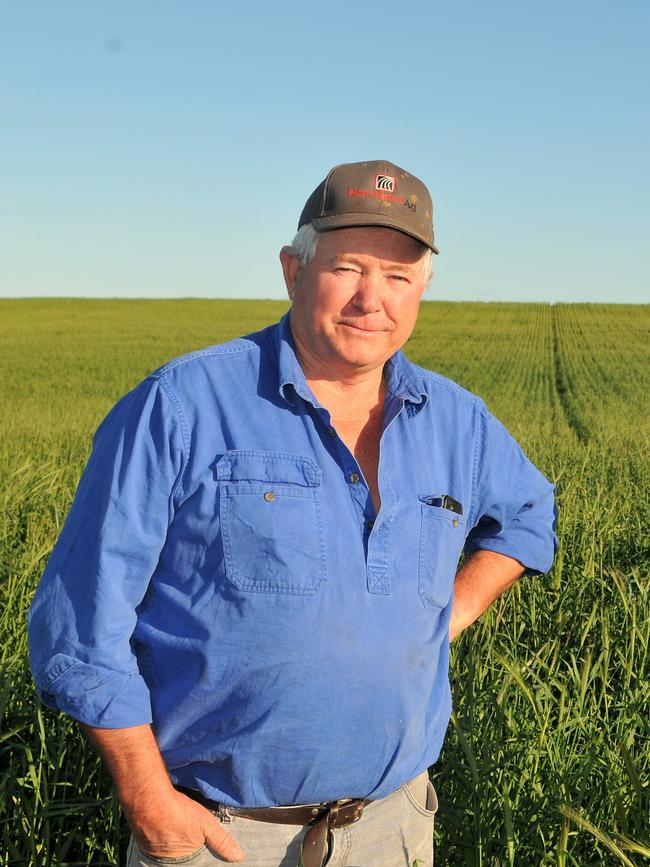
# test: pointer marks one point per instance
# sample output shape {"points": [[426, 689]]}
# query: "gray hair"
{"points": [[305, 242]]}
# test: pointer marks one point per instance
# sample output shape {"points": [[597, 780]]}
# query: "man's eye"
{"points": [[399, 277]]}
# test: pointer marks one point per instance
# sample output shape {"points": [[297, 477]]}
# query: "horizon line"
{"points": [[282, 300]]}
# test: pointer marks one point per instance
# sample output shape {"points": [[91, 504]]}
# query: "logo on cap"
{"points": [[385, 183]]}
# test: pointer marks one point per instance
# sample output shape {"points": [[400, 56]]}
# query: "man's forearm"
{"points": [[164, 822], [133, 760], [483, 578]]}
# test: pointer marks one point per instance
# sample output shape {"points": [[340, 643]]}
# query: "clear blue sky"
{"points": [[167, 148]]}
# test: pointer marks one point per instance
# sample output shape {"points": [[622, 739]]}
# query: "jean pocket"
{"points": [[271, 523], [137, 858], [442, 536], [430, 805]]}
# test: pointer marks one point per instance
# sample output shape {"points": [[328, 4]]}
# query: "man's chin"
{"points": [[358, 357]]}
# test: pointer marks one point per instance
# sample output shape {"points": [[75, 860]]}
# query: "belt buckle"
{"points": [[339, 806], [358, 810]]}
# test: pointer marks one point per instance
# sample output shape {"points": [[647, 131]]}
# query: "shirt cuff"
{"points": [[534, 554], [94, 695]]}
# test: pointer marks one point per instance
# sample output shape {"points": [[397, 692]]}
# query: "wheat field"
{"points": [[547, 756]]}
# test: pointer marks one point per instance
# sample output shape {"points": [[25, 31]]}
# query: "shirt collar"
{"points": [[400, 379], [290, 373]]}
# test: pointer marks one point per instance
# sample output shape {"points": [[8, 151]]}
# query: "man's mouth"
{"points": [[364, 329]]}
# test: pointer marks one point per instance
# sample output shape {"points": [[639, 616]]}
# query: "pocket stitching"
{"points": [[183, 859], [314, 471], [414, 803]]}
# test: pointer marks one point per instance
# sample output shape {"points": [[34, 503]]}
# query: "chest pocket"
{"points": [[442, 536], [271, 524]]}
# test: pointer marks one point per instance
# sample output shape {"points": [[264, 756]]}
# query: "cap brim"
{"points": [[349, 221]]}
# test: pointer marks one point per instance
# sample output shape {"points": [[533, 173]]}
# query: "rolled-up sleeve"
{"points": [[83, 614], [514, 506]]}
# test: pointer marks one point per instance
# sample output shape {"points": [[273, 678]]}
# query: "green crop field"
{"points": [[547, 756]]}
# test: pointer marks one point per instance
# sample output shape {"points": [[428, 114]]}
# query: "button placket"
{"points": [[359, 493], [379, 535], [357, 486], [377, 558]]}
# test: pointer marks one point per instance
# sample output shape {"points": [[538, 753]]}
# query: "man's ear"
{"points": [[290, 269]]}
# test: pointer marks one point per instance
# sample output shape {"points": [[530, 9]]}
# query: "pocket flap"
{"points": [[258, 466]]}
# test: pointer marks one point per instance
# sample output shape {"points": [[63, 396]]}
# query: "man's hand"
{"points": [[164, 823], [174, 826], [483, 578]]}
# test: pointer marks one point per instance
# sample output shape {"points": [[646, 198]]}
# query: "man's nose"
{"points": [[368, 293]]}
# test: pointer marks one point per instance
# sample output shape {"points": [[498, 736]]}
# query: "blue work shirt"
{"points": [[223, 575]]}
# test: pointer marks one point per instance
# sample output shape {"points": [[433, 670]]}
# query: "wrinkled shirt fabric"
{"points": [[222, 573]]}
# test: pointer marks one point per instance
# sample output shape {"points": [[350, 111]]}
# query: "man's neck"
{"points": [[350, 399], [344, 390]]}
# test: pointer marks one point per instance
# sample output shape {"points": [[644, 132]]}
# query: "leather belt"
{"points": [[318, 817]]}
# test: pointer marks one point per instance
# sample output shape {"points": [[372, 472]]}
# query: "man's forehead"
{"points": [[384, 263], [378, 242]]}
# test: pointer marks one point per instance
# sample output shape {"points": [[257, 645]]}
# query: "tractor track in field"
{"points": [[563, 386]]}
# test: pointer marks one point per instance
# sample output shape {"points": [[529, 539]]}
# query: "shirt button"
{"points": [[354, 478], [331, 431], [454, 523], [269, 496]]}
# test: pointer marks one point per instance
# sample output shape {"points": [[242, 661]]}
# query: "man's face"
{"points": [[356, 302]]}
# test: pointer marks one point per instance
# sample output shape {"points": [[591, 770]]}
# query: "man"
{"points": [[260, 561]]}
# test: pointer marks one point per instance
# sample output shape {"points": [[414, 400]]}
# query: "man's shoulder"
{"points": [[209, 359]]}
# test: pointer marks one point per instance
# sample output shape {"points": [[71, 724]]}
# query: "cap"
{"points": [[375, 193]]}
